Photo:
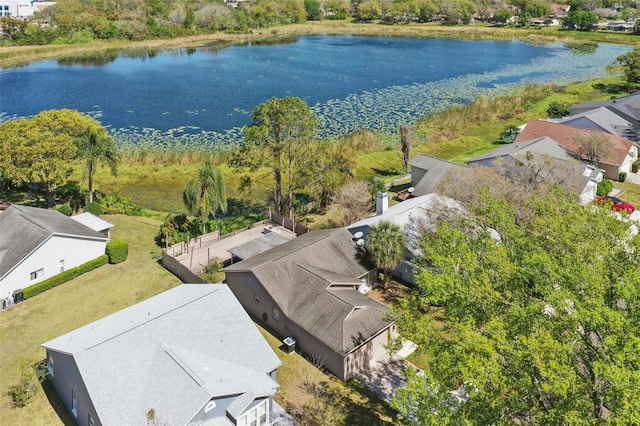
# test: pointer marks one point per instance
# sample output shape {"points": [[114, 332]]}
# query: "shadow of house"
{"points": [[307, 289]]}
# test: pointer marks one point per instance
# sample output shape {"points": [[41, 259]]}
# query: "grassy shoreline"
{"points": [[14, 56]]}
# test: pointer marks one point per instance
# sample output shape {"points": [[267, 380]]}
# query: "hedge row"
{"points": [[65, 276]]}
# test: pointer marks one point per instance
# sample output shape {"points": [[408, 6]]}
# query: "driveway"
{"points": [[386, 375]]}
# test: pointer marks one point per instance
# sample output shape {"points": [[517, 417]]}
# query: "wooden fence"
{"points": [[288, 223], [178, 258], [180, 270], [181, 248]]}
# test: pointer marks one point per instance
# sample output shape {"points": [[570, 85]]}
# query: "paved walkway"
{"points": [[634, 178], [386, 375]]}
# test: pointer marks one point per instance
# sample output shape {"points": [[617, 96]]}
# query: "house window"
{"points": [[50, 367], [74, 403], [253, 417], [262, 414], [37, 274], [62, 265], [256, 299], [276, 314]]}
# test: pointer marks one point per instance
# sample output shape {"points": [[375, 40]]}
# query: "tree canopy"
{"points": [[631, 66], [385, 247], [542, 327], [43, 147], [280, 138]]}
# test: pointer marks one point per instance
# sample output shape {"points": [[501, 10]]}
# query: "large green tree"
{"points": [[631, 66], [543, 326], [206, 194], [280, 138], [385, 247], [42, 147], [580, 20]]}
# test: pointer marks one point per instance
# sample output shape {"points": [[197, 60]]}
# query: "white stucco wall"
{"points": [[73, 250]]}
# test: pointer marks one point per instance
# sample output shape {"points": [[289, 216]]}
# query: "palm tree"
{"points": [[205, 195], [385, 247], [97, 147]]}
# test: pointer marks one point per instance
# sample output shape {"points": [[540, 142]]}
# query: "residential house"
{"points": [[604, 12], [605, 120], [620, 25], [549, 161], [307, 289], [618, 159], [36, 244], [427, 172], [22, 8], [560, 10], [627, 107], [544, 22], [411, 215], [188, 356]]}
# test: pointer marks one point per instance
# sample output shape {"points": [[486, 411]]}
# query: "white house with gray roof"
{"points": [[36, 244], [187, 356], [411, 215], [307, 289]]}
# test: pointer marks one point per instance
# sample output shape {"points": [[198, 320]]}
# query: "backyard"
{"points": [[315, 397]]}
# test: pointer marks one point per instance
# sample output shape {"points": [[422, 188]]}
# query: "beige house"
{"points": [[619, 158], [307, 290]]}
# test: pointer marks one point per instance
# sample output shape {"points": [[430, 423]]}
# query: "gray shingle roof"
{"points": [[425, 207], [600, 119], [543, 145], [173, 352], [304, 277], [260, 244], [435, 170], [627, 107], [23, 229]]}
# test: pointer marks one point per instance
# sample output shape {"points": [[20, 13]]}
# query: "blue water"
{"points": [[206, 96]]}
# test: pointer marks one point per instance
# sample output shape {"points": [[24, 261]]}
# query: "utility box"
{"points": [[289, 345], [18, 296]]}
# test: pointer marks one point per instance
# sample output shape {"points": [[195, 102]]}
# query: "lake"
{"points": [[203, 97]]}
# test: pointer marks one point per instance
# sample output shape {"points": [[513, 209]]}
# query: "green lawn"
{"points": [[315, 397], [87, 298]]}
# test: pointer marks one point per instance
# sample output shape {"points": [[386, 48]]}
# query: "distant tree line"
{"points": [[80, 21]]}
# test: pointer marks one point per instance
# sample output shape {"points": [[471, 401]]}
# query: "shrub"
{"points": [[604, 187], [117, 251], [65, 209], [65, 276], [622, 176], [118, 204], [635, 166], [509, 134], [557, 110], [94, 208], [30, 377]]}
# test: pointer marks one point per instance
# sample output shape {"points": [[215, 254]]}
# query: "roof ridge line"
{"points": [[149, 320]]}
